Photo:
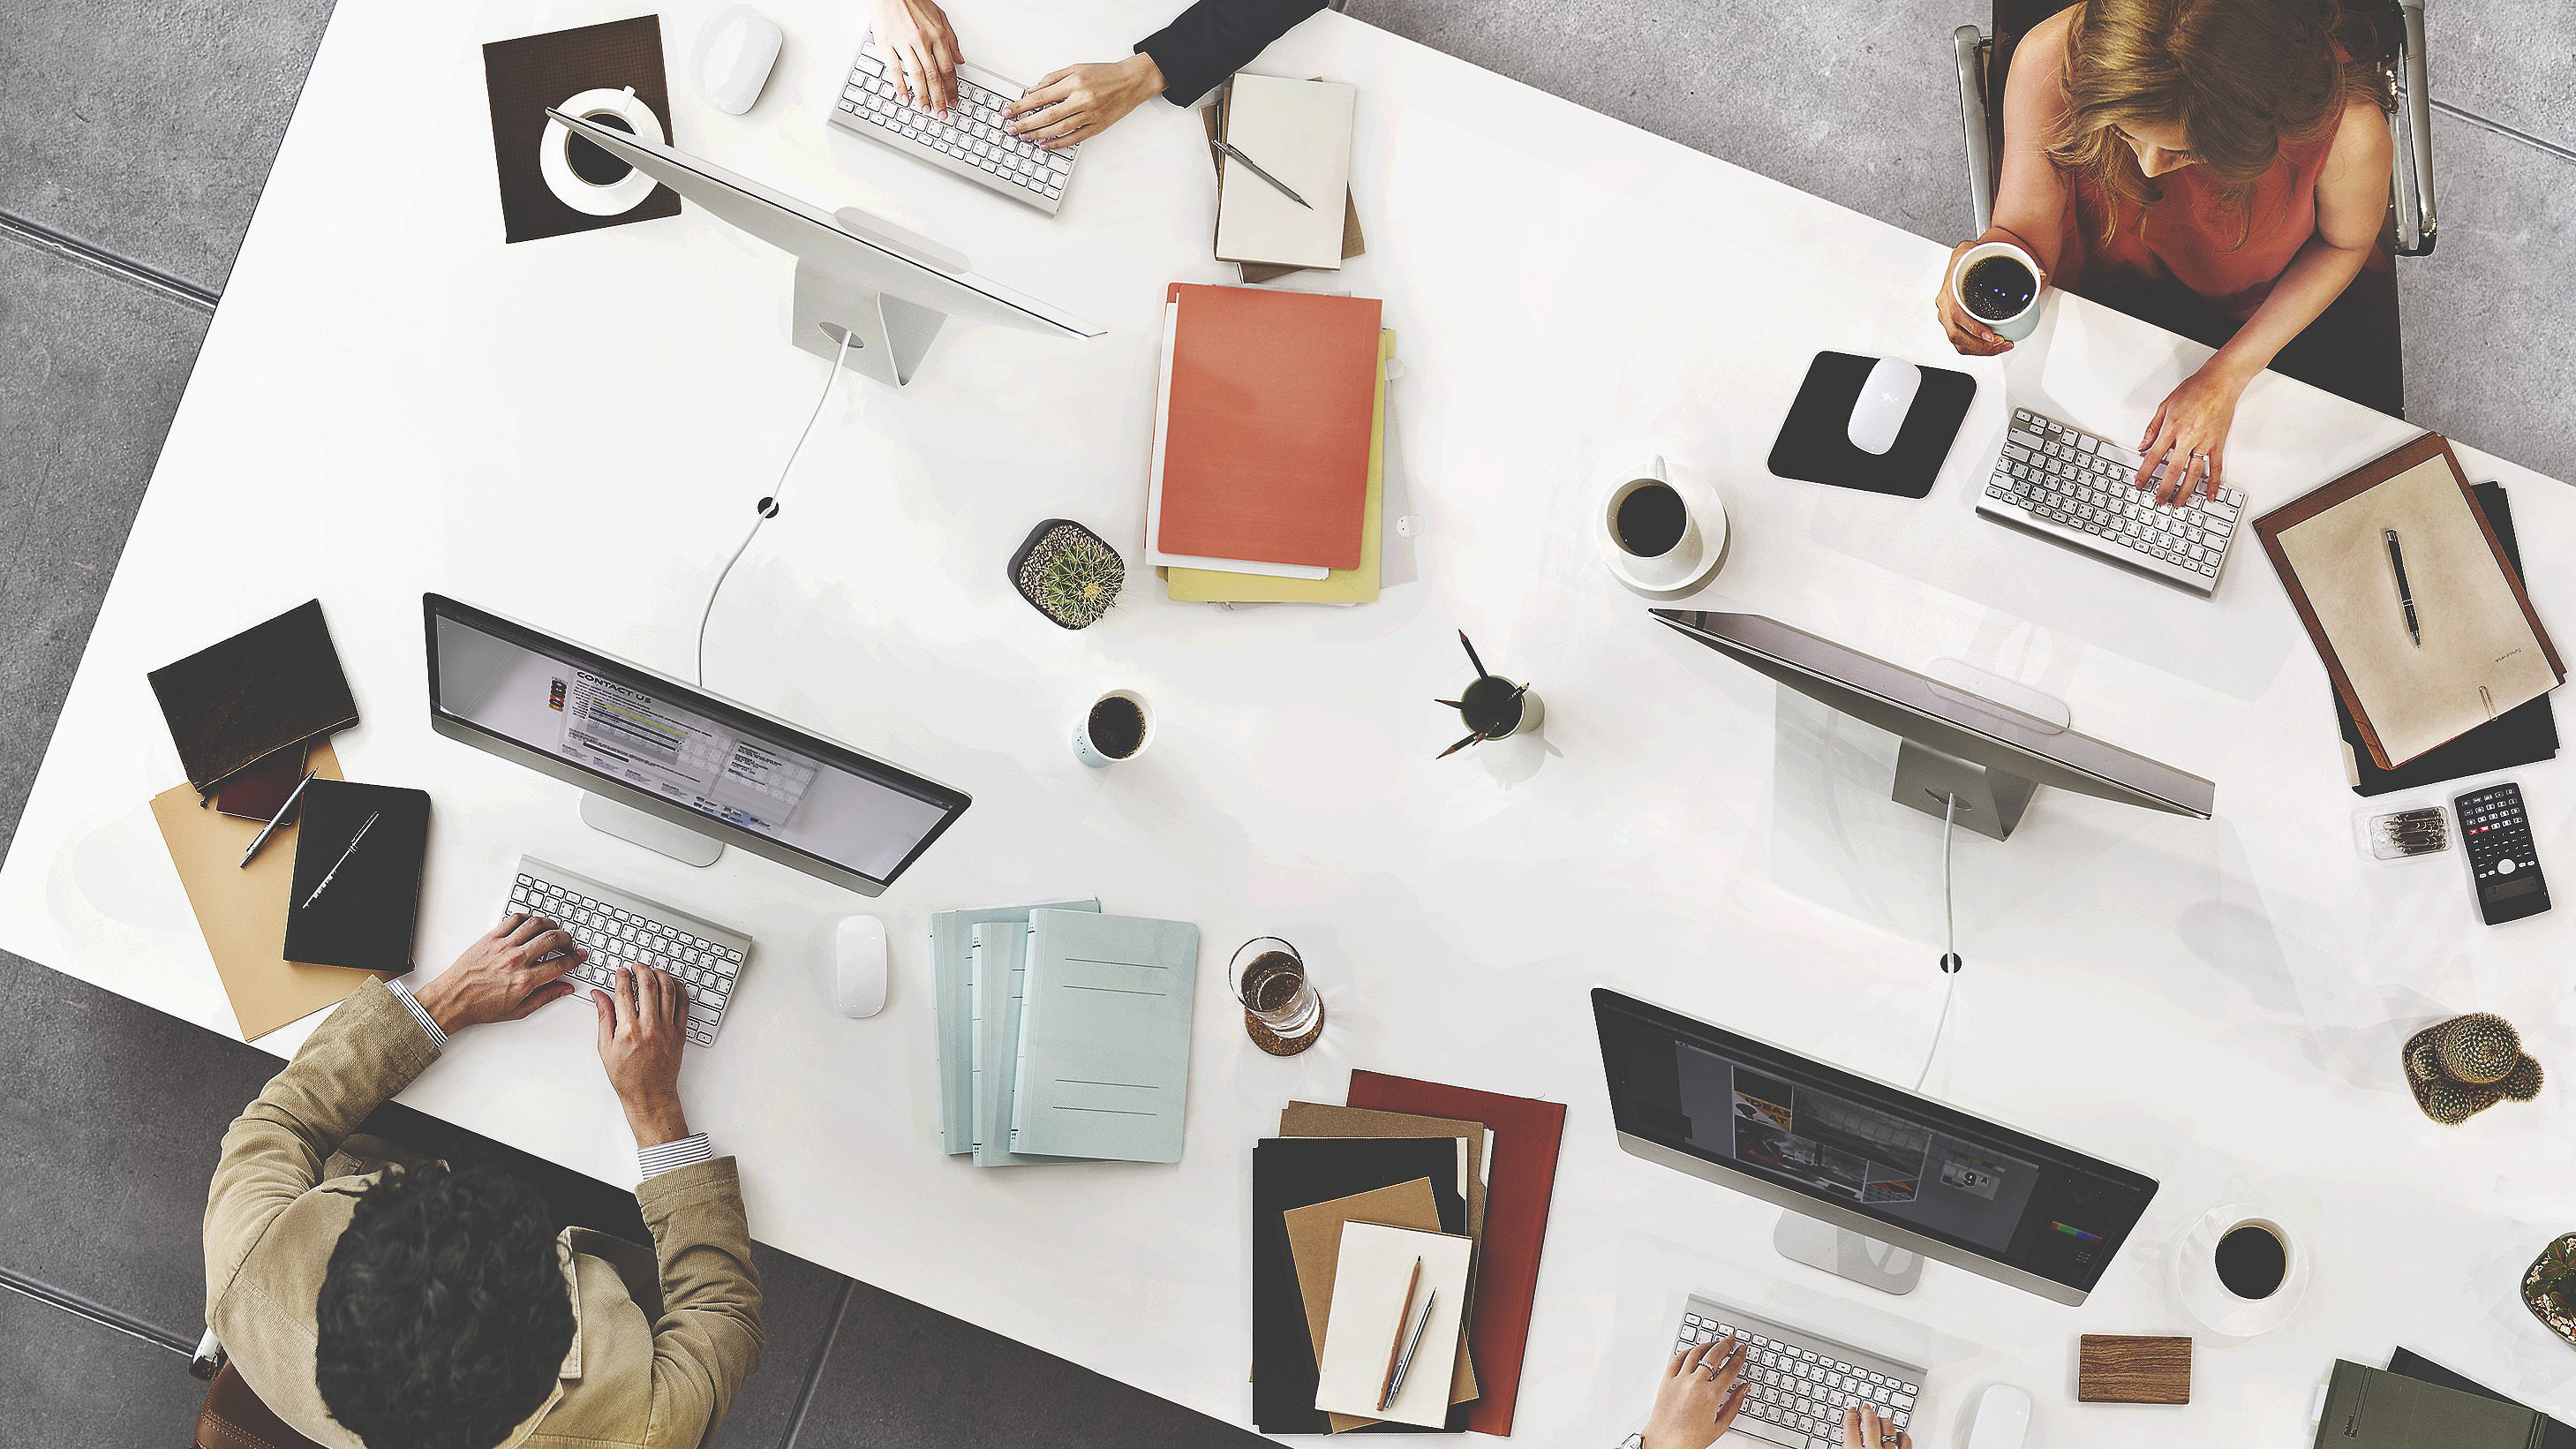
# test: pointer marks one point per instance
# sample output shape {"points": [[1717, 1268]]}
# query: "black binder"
{"points": [[1295, 1172], [268, 687], [368, 915]]}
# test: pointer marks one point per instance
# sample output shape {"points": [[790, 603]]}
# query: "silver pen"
{"points": [[1395, 1386], [270, 828], [333, 873], [1255, 168]]}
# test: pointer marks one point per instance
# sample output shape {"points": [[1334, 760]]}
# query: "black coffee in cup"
{"points": [[1491, 706], [1997, 287], [1651, 520], [1117, 727], [589, 161], [2252, 1261]]}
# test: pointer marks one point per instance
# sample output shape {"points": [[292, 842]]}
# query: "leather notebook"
{"points": [[526, 75], [2368, 1408], [369, 912], [2409, 1364], [1815, 439], [272, 685], [1521, 1186]]}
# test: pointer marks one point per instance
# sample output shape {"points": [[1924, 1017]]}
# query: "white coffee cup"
{"points": [[2020, 324], [554, 158], [2210, 1302], [1089, 751], [1679, 563]]}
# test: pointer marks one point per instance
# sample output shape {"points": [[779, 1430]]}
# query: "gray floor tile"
{"points": [[1856, 101], [2488, 317], [91, 369], [797, 1303], [75, 1384], [902, 1376], [2507, 60], [146, 127]]}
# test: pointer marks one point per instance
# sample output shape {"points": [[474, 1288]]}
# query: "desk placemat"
{"points": [[526, 75]]}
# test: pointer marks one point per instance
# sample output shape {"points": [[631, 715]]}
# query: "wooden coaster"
{"points": [[2111, 1369], [1280, 1046]]}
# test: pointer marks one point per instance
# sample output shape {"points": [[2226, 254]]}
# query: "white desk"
{"points": [[571, 431]]}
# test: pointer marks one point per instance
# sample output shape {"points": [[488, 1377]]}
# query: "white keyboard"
{"points": [[2080, 489], [969, 140], [621, 929], [1801, 1381]]}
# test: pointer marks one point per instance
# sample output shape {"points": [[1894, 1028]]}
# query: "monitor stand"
{"points": [[1990, 802], [650, 831], [1845, 1254], [888, 335]]}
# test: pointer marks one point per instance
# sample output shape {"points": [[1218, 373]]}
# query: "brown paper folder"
{"points": [[1315, 1242], [1323, 1119], [242, 909]]}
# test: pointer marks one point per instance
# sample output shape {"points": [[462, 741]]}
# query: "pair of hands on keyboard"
{"points": [[1703, 1389], [643, 1023], [1067, 108]]}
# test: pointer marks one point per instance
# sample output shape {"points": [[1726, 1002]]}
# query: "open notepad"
{"points": [[1300, 132], [1371, 1317]]}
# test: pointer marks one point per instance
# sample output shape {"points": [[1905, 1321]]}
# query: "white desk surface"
{"points": [[571, 432]]}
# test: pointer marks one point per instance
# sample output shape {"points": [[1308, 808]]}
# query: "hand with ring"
{"points": [[1697, 1400], [2185, 448], [1864, 1427]]}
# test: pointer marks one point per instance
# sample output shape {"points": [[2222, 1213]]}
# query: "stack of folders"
{"points": [[1345, 1201], [1064, 1034], [1268, 474]]}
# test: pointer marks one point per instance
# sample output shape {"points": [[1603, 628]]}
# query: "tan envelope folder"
{"points": [[1315, 1242], [1324, 1119], [241, 910]]}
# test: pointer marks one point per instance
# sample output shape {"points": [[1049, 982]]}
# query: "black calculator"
{"points": [[2501, 864]]}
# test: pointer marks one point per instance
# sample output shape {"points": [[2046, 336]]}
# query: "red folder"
{"points": [[1523, 1169], [1266, 441]]}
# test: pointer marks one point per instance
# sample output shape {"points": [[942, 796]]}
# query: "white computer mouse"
{"points": [[734, 55], [859, 966], [1879, 412], [2000, 1420]]}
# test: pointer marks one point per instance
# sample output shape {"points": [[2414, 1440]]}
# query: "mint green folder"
{"points": [[952, 938], [1001, 971], [1104, 1054]]}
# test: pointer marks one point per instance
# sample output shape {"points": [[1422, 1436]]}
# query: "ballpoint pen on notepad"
{"points": [[2405, 597], [333, 873], [270, 828], [1395, 1346], [1412, 1341], [1255, 168]]}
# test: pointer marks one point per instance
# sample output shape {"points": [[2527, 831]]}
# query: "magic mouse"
{"points": [[1884, 401], [733, 58], [2001, 1419], [859, 966]]}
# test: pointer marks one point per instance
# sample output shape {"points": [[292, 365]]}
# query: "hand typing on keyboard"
{"points": [[1865, 1428], [920, 51], [1079, 102], [643, 1026], [1699, 1397], [504, 976], [2188, 436]]}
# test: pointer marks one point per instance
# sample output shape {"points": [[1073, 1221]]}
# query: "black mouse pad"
{"points": [[1815, 443]]}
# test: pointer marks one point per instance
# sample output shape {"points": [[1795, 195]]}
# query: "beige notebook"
{"points": [[1369, 1321], [1300, 132]]}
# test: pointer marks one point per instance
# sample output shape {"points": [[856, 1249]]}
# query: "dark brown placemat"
{"points": [[528, 74]]}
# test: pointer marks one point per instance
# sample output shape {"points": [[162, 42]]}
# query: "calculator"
{"points": [[2503, 869]]}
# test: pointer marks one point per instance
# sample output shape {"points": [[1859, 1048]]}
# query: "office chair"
{"points": [[2352, 349], [233, 1416]]}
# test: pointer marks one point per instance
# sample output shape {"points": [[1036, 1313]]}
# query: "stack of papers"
{"points": [[1299, 131]]}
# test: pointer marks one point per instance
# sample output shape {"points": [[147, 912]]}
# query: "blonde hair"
{"points": [[2240, 77]]}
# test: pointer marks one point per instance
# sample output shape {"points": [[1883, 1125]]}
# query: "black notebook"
{"points": [[366, 916], [270, 686], [1295, 1172], [2523, 735], [2410, 1364]]}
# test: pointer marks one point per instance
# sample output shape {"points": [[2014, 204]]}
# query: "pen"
{"points": [[1255, 168], [1396, 1385], [2405, 598], [271, 827], [329, 875], [1395, 1345]]}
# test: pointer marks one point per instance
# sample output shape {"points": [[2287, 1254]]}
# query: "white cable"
{"points": [[1950, 962], [768, 507]]}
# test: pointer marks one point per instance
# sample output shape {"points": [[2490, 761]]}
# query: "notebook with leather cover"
{"points": [[272, 685], [368, 916]]}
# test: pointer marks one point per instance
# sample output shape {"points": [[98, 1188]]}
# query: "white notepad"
{"points": [[1369, 1282], [1300, 132]]}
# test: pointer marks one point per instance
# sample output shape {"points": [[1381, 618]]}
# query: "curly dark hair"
{"points": [[443, 1318]]}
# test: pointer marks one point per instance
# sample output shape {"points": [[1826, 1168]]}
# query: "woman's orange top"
{"points": [[2186, 239]]}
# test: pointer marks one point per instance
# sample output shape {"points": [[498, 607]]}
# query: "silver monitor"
{"points": [[672, 768], [1958, 746], [887, 289]]}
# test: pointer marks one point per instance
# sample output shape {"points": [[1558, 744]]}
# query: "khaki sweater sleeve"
{"points": [[708, 1339], [368, 1050]]}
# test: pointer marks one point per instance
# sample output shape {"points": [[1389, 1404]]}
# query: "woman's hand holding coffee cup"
{"points": [[1968, 332]]}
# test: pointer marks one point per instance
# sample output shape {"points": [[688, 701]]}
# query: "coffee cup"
{"points": [[1654, 535], [1118, 726], [581, 174], [2239, 1271], [1999, 285]]}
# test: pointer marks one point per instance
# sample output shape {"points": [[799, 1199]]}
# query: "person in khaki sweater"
{"points": [[372, 1298]]}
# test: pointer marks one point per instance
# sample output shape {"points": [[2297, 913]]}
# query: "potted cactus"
{"points": [[1067, 573], [2549, 1287], [2465, 1065]]}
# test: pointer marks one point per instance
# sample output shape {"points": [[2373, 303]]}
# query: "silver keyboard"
{"points": [[2080, 489], [1801, 1381], [969, 140], [619, 928]]}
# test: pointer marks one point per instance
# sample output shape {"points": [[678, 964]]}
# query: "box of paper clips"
{"points": [[2397, 835]]}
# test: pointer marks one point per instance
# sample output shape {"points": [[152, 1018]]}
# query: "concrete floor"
{"points": [[134, 139]]}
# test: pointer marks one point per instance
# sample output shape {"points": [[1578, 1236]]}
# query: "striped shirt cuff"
{"points": [[419, 1013], [688, 1151]]}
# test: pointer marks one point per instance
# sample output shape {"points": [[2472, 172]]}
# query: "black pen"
{"points": [[1255, 168], [333, 873], [270, 828], [2405, 597]]}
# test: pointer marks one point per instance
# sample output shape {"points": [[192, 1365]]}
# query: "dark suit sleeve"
{"points": [[1215, 38]]}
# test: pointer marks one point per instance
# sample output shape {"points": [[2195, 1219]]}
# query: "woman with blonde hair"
{"points": [[2226, 155]]}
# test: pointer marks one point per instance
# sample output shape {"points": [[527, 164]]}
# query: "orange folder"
{"points": [[1266, 451]]}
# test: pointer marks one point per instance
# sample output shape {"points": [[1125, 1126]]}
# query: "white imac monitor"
{"points": [[887, 289]]}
